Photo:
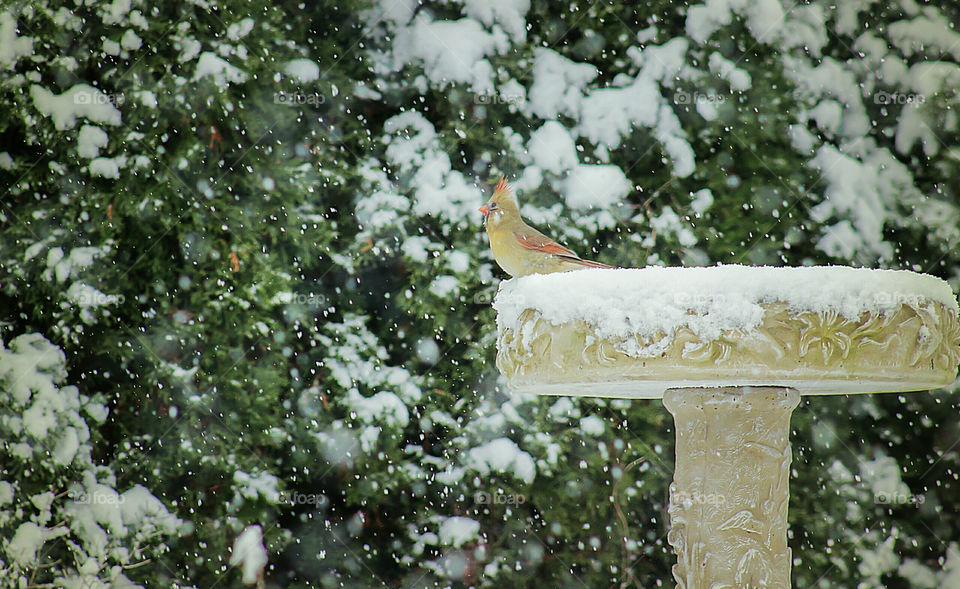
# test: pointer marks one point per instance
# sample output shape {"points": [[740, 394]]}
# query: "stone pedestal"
{"points": [[730, 490]]}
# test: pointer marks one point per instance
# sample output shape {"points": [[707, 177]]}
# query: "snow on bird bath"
{"points": [[646, 301], [636, 332]]}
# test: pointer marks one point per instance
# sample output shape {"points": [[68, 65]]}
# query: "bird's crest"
{"points": [[503, 196], [503, 193]]}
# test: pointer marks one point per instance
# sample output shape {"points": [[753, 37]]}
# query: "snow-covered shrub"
{"points": [[62, 517]]}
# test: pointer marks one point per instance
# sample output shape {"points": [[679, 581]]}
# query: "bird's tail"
{"points": [[586, 263]]}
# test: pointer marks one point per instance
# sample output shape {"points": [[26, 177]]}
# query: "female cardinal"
{"points": [[519, 248]]}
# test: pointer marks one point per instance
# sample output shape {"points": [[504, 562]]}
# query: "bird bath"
{"points": [[730, 350]]}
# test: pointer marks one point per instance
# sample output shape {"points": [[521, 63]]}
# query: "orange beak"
{"points": [[485, 210]]}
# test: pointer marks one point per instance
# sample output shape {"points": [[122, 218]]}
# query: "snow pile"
{"points": [[445, 286], [764, 19], [504, 456], [457, 531], [27, 540], [649, 301], [304, 70], [726, 69], [260, 484], [592, 425], [106, 167], [130, 41], [920, 34], [383, 407], [104, 518], [552, 148], [89, 141], [868, 186], [879, 560], [240, 29], [668, 222], [63, 266], [211, 66], [44, 412], [381, 206], [606, 115], [249, 554], [81, 100], [595, 186], [702, 200], [450, 51], [382, 410], [508, 14], [883, 476], [558, 84], [901, 69], [12, 46], [457, 52]]}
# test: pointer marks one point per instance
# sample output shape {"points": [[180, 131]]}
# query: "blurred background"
{"points": [[244, 287]]}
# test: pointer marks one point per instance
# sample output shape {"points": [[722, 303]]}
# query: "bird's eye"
{"points": [[494, 206]]}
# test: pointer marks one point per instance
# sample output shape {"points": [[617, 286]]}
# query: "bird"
{"points": [[520, 249]]}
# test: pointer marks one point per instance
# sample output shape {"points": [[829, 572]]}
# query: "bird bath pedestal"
{"points": [[729, 349]]}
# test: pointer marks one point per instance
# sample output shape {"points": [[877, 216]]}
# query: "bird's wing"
{"points": [[535, 240]]}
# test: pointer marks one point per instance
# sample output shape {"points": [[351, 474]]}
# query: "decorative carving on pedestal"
{"points": [[909, 344], [730, 490]]}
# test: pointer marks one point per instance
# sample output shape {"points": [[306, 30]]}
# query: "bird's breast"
{"points": [[506, 253]]}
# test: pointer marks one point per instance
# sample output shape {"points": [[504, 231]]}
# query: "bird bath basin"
{"points": [[729, 349]]}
